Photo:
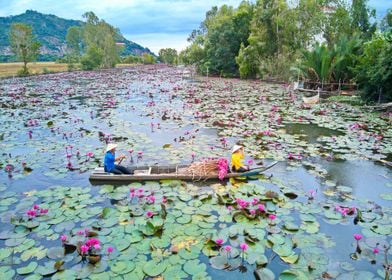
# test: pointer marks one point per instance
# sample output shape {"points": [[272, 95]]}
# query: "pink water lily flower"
{"points": [[149, 214], [84, 249], [110, 249], [90, 154], [252, 211], [97, 247], [271, 217], [227, 248], [357, 236], [219, 241], [244, 246], [63, 238], [261, 207]]}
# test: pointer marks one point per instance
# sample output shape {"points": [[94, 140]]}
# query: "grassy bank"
{"points": [[11, 69]]}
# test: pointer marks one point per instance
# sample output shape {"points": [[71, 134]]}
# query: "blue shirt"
{"points": [[108, 163]]}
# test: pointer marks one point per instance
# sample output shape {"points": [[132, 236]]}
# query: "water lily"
{"points": [[36, 207], [227, 248], [244, 246], [376, 251], [63, 238], [252, 211], [43, 210], [357, 236], [261, 207], [219, 242], [255, 201], [110, 250], [31, 213], [84, 249], [90, 154], [97, 247], [149, 214]]}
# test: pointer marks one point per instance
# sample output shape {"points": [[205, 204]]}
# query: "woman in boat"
{"points": [[110, 159], [237, 156]]}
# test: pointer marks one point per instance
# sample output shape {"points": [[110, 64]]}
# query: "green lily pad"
{"points": [[193, 267], [153, 268], [27, 269]]}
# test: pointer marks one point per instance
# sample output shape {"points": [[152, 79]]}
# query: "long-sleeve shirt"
{"points": [[109, 162], [236, 160]]}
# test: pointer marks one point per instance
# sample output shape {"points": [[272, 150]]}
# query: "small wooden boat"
{"points": [[154, 173], [311, 99]]}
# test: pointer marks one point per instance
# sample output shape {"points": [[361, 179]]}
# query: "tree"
{"points": [[92, 59], [168, 56], [360, 18], [386, 23], [374, 70], [74, 40], [23, 44]]}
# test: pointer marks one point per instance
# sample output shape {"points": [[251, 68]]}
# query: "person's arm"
{"points": [[119, 158]]}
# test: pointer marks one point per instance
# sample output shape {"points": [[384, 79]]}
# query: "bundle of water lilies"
{"points": [[208, 168]]}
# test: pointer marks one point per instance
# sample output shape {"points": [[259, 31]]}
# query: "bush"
{"points": [[92, 59], [23, 72]]}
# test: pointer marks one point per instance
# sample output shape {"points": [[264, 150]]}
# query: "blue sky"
{"points": [[154, 24]]}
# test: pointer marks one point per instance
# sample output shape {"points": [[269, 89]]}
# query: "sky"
{"points": [[154, 24]]}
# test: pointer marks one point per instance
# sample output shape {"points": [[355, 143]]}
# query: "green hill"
{"points": [[50, 31]]}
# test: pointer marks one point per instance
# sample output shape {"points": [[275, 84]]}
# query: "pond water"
{"points": [[331, 181]]}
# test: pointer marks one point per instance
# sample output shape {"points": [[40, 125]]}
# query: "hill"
{"points": [[50, 31]]}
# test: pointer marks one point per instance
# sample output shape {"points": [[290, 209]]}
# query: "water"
{"points": [[128, 105]]}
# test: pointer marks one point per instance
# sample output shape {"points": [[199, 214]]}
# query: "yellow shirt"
{"points": [[236, 160]]}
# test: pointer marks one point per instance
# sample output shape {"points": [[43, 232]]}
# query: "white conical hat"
{"points": [[236, 148], [111, 146]]}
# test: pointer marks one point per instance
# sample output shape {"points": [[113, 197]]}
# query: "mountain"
{"points": [[50, 31]]}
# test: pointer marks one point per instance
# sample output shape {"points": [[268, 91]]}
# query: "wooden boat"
{"points": [[313, 99], [154, 173]]}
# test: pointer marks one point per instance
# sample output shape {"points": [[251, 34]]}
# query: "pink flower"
{"points": [[36, 207], [255, 201], [110, 250], [230, 207], [80, 232], [164, 199], [150, 199], [271, 217], [250, 162], [140, 190], [31, 213], [129, 151], [149, 214], [97, 247], [63, 238], [219, 242], [357, 236], [252, 211], [132, 190], [261, 207], [90, 154], [227, 248], [84, 249], [44, 211], [376, 251], [244, 247]]}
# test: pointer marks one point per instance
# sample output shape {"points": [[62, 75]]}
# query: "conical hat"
{"points": [[111, 146], [236, 148]]}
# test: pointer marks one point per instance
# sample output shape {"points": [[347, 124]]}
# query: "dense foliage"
{"points": [[168, 56], [23, 44], [321, 41]]}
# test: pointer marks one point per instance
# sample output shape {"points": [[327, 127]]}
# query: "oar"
{"points": [[265, 168]]}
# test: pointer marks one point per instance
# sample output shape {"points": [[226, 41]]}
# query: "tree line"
{"points": [[322, 41]]}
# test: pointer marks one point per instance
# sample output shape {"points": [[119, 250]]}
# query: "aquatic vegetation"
{"points": [[298, 224]]}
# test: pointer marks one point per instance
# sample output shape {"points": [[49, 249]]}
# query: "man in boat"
{"points": [[237, 156], [110, 159]]}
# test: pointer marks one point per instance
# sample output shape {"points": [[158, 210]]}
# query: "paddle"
{"points": [[262, 168]]}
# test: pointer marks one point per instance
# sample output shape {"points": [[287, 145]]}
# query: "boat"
{"points": [[178, 172], [315, 98]]}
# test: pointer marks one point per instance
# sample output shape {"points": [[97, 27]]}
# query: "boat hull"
{"points": [[147, 174]]}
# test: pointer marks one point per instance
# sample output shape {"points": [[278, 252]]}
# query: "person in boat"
{"points": [[110, 159], [237, 157]]}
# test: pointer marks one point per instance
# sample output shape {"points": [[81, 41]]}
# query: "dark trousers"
{"points": [[118, 169]]}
